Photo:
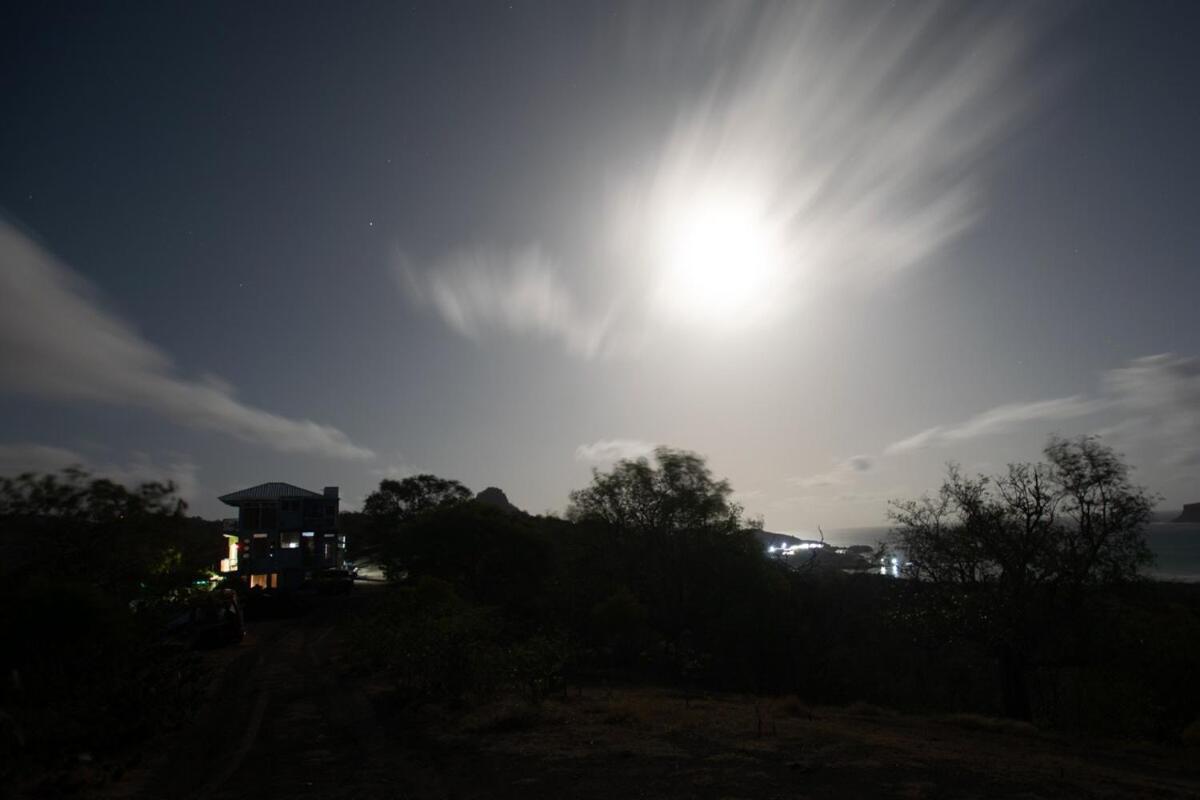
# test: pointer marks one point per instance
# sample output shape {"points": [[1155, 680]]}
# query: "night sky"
{"points": [[829, 246]]}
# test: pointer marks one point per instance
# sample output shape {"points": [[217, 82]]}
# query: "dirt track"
{"points": [[280, 722]]}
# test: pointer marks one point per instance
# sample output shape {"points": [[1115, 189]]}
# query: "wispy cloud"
{"points": [[1155, 401], [869, 132], [18, 458], [862, 137], [396, 470], [57, 340], [1000, 419], [606, 451], [842, 473], [481, 292], [1161, 396]]}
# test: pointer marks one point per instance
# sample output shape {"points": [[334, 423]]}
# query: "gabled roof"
{"points": [[266, 491]]}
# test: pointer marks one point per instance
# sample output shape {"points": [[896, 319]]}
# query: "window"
{"points": [[258, 581], [230, 562], [289, 540]]}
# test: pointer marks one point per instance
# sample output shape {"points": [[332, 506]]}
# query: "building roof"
{"points": [[266, 491]]}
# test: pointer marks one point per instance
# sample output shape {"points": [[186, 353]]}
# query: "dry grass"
{"points": [[652, 742], [503, 716], [794, 707], [861, 709], [640, 710], [979, 722]]}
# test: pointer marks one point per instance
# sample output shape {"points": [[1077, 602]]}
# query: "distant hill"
{"points": [[492, 496], [1191, 513]]}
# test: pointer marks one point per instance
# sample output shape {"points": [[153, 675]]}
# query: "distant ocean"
{"points": [[1176, 546]]}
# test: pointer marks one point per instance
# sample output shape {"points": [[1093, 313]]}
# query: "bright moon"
{"points": [[719, 260]]}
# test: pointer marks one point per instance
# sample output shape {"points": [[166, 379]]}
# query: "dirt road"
{"points": [[280, 722]]}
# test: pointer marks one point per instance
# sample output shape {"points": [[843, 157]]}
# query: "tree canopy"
{"points": [[397, 501], [125, 541], [1074, 520], [676, 494], [1009, 560]]}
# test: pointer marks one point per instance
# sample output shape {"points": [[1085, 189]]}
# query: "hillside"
{"points": [[1191, 514]]}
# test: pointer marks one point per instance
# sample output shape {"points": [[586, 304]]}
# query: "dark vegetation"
{"points": [[1022, 599], [91, 572]]}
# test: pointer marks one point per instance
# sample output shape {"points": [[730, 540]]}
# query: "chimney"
{"points": [[331, 492]]}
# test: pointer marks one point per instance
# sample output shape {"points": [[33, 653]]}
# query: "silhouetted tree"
{"points": [[89, 570], [398, 501], [676, 494], [996, 554], [128, 542], [490, 556], [669, 533]]}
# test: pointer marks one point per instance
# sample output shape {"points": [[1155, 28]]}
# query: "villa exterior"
{"points": [[284, 535]]}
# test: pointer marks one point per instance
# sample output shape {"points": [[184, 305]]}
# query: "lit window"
{"points": [[230, 562], [258, 581], [289, 540]]}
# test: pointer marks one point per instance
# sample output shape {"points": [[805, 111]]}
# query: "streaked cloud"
{"points": [[605, 451], [396, 470], [862, 138], [867, 131], [1152, 402], [1160, 394], [57, 340], [1001, 419], [482, 292]]}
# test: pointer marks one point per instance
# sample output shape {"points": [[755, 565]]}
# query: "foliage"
{"points": [[1009, 560], [88, 568], [430, 643], [1076, 520], [491, 556], [387, 510], [433, 645], [128, 542], [87, 675], [678, 494], [395, 502]]}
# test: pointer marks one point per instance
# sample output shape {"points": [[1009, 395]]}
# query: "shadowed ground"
{"points": [[286, 720]]}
